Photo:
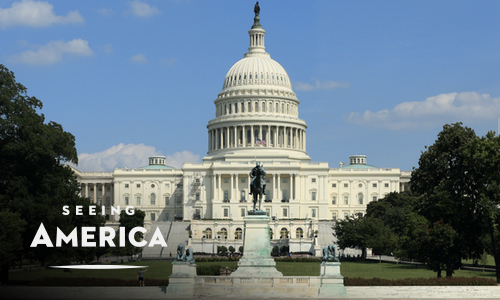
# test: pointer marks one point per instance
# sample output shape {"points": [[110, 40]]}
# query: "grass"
{"points": [[163, 269]]}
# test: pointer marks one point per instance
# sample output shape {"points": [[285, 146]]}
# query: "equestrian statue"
{"points": [[258, 185]]}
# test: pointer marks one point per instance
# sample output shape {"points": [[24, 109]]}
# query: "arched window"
{"points": [[208, 233], [283, 233], [153, 199], [360, 198], [223, 233], [238, 234], [299, 233], [226, 196]]}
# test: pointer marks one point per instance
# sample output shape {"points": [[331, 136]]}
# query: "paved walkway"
{"points": [[379, 293]]}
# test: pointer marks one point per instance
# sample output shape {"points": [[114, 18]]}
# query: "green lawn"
{"points": [[163, 269]]}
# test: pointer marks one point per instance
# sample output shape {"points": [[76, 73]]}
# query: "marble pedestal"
{"points": [[331, 282], [256, 260], [182, 280]]}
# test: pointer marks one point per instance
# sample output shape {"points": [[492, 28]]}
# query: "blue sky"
{"points": [[134, 78]]}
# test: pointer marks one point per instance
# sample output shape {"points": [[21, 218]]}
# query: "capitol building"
{"points": [[256, 120]]}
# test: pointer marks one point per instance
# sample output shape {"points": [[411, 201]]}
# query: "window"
{"points": [[208, 233], [268, 180], [268, 212], [346, 185], [178, 199], [167, 217], [197, 196], [223, 233], [226, 196], [299, 233], [346, 199], [374, 198], [284, 180], [153, 217], [334, 215], [346, 215], [153, 186], [313, 213], [126, 201], [126, 185], [242, 195], [313, 179], [334, 199], [108, 201], [374, 185], [138, 200], [238, 234], [386, 185], [226, 180], [268, 195], [285, 213], [226, 212], [100, 189], [242, 212], [167, 200], [284, 233], [108, 189], [284, 195], [360, 185], [167, 185], [243, 180], [138, 185], [153, 199], [91, 189], [334, 185], [313, 196], [360, 198]]}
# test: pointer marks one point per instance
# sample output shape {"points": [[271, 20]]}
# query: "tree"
{"points": [[447, 191], [34, 182], [485, 156], [129, 222], [392, 209], [364, 232]]}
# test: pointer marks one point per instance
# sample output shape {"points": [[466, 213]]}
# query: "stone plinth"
{"points": [[331, 282], [256, 260], [182, 280]]}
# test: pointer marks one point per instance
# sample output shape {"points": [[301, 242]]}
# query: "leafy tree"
{"points": [[447, 191], [231, 249], [485, 156], [240, 249], [392, 209], [10, 236], [222, 250], [129, 222], [275, 251], [34, 182], [364, 232]]}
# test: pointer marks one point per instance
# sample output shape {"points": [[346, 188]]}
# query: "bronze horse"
{"points": [[258, 185]]}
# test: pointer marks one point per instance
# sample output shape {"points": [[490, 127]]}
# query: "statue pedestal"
{"points": [[331, 282], [182, 280], [256, 260]]}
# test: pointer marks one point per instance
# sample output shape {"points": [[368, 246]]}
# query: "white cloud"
{"points": [[139, 58], [105, 11], [433, 111], [130, 156], [35, 14], [140, 9], [318, 85], [53, 52]]}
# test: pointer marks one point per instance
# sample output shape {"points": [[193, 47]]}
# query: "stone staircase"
{"points": [[174, 234]]}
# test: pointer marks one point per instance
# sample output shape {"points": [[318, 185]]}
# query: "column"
{"points": [[252, 137], [292, 192], [86, 190], [275, 133], [214, 178], [221, 139], [279, 185], [243, 137], [275, 193], [260, 133], [304, 140], [95, 193], [219, 186], [231, 197]]}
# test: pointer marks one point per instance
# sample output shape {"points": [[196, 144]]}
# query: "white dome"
{"points": [[256, 69]]}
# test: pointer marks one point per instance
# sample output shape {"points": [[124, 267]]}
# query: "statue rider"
{"points": [[253, 174]]}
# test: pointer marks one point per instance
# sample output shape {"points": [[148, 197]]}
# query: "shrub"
{"points": [[208, 270], [435, 281]]}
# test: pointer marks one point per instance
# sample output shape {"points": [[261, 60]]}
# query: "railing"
{"points": [[270, 282]]}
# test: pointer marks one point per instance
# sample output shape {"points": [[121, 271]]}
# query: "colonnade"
{"points": [[247, 135], [91, 190], [271, 106]]}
